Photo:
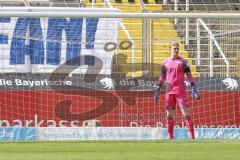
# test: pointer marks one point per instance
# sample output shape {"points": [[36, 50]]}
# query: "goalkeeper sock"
{"points": [[190, 126], [170, 127]]}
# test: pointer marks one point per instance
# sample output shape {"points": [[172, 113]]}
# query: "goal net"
{"points": [[95, 71]]}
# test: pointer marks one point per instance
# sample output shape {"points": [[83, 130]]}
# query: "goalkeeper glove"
{"points": [[195, 94]]}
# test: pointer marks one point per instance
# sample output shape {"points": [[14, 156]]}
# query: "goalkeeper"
{"points": [[172, 73]]}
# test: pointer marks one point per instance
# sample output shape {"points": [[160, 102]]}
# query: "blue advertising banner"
{"points": [[17, 134]]}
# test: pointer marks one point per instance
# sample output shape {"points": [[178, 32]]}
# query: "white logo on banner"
{"points": [[231, 83], [107, 82]]}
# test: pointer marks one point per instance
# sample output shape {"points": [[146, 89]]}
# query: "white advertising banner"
{"points": [[40, 45], [99, 133]]}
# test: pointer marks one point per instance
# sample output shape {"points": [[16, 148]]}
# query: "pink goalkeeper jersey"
{"points": [[173, 75]]}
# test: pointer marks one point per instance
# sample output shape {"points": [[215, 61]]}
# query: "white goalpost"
{"points": [[74, 12]]}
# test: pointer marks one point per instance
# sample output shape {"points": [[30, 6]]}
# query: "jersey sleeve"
{"points": [[162, 77], [188, 72]]}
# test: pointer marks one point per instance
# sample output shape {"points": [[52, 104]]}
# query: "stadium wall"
{"points": [[47, 114], [53, 109]]}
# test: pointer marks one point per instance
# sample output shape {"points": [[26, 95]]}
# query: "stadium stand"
{"points": [[66, 3], [23, 3], [158, 32], [226, 31], [208, 5], [153, 36]]}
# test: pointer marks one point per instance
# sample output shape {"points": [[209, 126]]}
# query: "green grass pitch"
{"points": [[121, 150]]}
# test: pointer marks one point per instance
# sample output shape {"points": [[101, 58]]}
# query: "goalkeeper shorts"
{"points": [[171, 99]]}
